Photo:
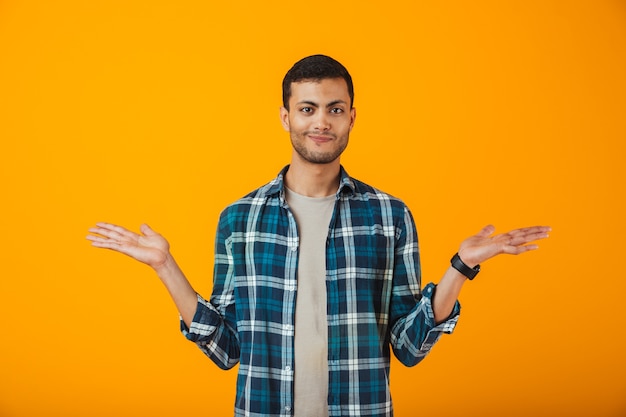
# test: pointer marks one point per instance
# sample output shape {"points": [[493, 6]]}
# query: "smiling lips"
{"points": [[320, 139]]}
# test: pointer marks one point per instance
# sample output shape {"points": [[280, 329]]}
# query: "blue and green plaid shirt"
{"points": [[374, 300]]}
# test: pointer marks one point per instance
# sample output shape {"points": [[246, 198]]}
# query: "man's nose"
{"points": [[322, 121]]}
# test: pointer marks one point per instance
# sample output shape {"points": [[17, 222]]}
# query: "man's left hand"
{"points": [[484, 245]]}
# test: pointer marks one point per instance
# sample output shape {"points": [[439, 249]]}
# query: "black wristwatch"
{"points": [[460, 266]]}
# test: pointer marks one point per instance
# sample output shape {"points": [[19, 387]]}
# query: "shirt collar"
{"points": [[346, 184]]}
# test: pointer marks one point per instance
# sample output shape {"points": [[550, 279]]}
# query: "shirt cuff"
{"points": [[204, 321], [448, 325]]}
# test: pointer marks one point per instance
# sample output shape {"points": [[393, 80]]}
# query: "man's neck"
{"points": [[313, 180]]}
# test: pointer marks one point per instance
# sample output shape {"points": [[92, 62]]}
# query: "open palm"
{"points": [[149, 247], [482, 246]]}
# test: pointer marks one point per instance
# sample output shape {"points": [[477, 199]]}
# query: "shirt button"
{"points": [[287, 368], [288, 408]]}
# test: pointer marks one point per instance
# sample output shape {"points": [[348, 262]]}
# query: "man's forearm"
{"points": [[447, 293], [181, 291]]}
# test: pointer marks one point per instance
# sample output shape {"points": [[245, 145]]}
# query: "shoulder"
{"points": [[242, 208], [372, 205], [369, 204], [376, 196]]}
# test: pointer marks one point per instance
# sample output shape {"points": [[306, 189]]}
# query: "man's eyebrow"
{"points": [[314, 104], [310, 103], [335, 102]]}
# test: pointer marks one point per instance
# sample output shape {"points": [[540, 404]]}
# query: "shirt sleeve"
{"points": [[412, 319], [213, 328], [212, 335], [414, 336]]}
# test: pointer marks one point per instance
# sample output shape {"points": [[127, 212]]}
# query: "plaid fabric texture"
{"points": [[374, 300]]}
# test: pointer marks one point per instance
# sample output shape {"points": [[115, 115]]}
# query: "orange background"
{"points": [[510, 113]]}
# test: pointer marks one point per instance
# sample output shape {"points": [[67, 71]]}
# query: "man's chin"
{"points": [[319, 158]]}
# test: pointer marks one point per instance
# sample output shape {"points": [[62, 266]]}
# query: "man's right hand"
{"points": [[152, 249], [149, 247]]}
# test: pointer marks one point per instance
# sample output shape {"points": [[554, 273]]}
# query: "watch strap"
{"points": [[460, 266]]}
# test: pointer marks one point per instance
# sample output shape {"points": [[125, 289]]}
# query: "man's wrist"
{"points": [[458, 264], [166, 266]]}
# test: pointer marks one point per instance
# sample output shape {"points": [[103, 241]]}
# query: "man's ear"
{"points": [[352, 117], [284, 118]]}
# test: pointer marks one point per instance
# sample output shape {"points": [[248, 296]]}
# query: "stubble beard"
{"points": [[298, 141]]}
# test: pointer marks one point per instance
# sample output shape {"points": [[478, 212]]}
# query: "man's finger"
{"points": [[516, 250], [146, 230], [486, 231]]}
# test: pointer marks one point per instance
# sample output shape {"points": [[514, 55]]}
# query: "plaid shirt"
{"points": [[374, 301]]}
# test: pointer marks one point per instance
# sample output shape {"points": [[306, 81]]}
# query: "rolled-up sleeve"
{"points": [[213, 328], [414, 331], [212, 335], [413, 337]]}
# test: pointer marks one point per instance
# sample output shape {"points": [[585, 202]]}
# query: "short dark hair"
{"points": [[316, 68]]}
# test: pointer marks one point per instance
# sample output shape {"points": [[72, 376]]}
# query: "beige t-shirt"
{"points": [[311, 327]]}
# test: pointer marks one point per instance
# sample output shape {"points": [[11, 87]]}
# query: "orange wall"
{"points": [[163, 112]]}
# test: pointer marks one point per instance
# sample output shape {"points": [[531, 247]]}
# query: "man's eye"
{"points": [[336, 110], [306, 110]]}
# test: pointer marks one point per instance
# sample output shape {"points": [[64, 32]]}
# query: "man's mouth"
{"points": [[321, 138]]}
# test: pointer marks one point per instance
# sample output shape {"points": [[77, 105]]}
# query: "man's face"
{"points": [[319, 119]]}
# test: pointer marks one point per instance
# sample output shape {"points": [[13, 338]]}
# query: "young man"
{"points": [[317, 274]]}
